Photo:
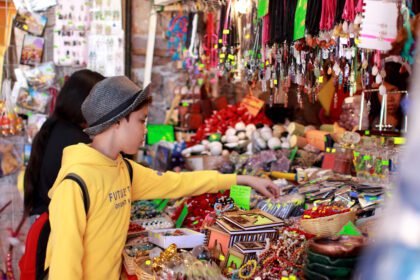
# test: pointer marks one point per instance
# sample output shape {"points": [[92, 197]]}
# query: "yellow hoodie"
{"points": [[81, 247]]}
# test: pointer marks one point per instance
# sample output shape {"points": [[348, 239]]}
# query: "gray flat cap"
{"points": [[109, 101]]}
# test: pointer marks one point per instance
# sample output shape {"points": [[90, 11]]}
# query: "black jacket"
{"points": [[62, 135]]}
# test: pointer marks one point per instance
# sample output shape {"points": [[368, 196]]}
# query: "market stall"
{"points": [[312, 95]]}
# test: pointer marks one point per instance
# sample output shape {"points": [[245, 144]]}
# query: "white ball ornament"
{"points": [[230, 132], [240, 126], [375, 70], [382, 89], [274, 143]]}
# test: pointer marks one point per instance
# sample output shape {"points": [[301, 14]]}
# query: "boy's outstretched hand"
{"points": [[264, 186]]}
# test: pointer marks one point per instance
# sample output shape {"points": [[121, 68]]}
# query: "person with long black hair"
{"points": [[63, 128]]}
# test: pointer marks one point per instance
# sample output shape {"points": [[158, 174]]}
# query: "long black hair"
{"points": [[68, 107], [396, 77]]}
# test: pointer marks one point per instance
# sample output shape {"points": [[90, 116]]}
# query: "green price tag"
{"points": [[366, 157], [356, 154], [231, 57], [222, 55], [185, 104], [241, 195], [182, 217], [385, 162], [367, 132]]}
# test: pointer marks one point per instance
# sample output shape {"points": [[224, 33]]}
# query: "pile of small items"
{"points": [[284, 257], [324, 211], [198, 208], [221, 120], [145, 214], [171, 264]]}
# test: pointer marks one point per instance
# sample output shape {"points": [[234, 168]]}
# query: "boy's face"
{"points": [[134, 131]]}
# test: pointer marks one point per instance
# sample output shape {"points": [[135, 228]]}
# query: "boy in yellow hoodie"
{"points": [[89, 246]]}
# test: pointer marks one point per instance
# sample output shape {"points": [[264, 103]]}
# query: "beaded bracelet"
{"points": [[250, 263]]}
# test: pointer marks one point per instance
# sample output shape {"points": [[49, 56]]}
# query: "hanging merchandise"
{"points": [[32, 50], [379, 26], [313, 17], [30, 22], [106, 39], [300, 19], [34, 5], [71, 25], [177, 34]]}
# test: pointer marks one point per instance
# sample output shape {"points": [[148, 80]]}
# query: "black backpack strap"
{"points": [[130, 169], [82, 185]]}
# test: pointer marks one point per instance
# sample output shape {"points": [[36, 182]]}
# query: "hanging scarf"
{"points": [[349, 12], [300, 18], [339, 11], [313, 18], [276, 11], [327, 14], [289, 20]]}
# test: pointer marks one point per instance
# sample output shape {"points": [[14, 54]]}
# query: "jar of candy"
{"points": [[343, 160]]}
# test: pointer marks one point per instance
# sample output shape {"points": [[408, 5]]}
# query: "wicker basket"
{"points": [[143, 275], [327, 226], [131, 263]]}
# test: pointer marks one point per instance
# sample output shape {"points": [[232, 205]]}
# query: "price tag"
{"points": [[385, 163], [241, 195], [226, 31], [399, 140], [253, 104]]}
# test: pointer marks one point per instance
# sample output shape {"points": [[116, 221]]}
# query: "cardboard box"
{"points": [[190, 239]]}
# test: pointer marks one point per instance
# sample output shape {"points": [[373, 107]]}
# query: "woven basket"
{"points": [[143, 275], [129, 263], [327, 226]]}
